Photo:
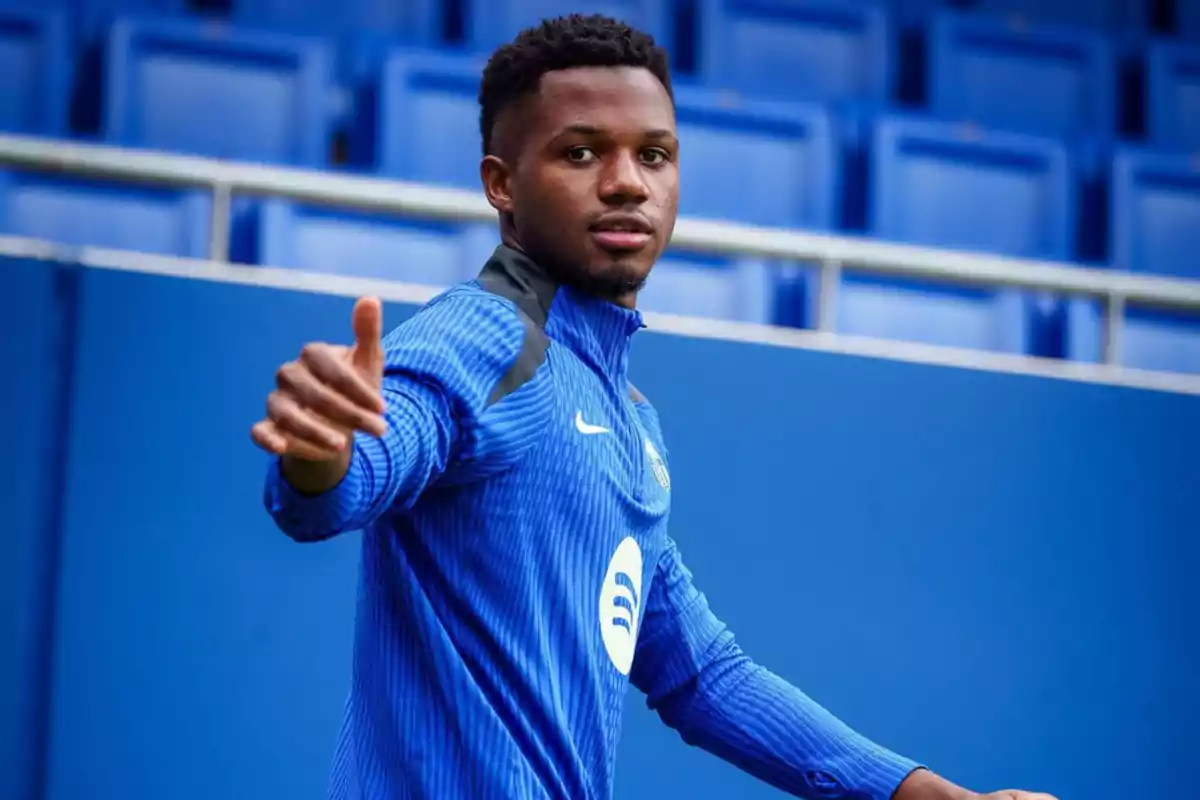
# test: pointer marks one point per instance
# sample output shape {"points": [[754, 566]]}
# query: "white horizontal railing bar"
{"points": [[362, 192], [19, 247], [695, 327], [321, 186], [928, 262]]}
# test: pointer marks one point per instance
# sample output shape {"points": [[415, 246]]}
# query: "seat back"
{"points": [[1173, 95], [1045, 81], [215, 91], [105, 214], [373, 246], [763, 163], [1156, 213], [427, 125], [821, 50], [35, 60], [956, 186]]}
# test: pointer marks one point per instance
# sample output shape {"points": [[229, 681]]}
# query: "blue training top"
{"points": [[517, 574]]}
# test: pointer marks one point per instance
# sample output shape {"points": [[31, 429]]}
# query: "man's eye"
{"points": [[581, 155], [655, 156]]}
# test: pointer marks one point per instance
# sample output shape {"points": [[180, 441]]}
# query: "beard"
{"points": [[618, 280]]}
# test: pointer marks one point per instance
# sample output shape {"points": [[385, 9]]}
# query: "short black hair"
{"points": [[567, 42]]}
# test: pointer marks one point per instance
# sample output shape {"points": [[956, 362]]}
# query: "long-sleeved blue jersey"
{"points": [[517, 573]]}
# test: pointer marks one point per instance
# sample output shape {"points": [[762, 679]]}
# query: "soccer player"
{"points": [[513, 488]]}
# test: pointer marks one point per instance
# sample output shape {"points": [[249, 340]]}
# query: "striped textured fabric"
{"points": [[517, 575]]}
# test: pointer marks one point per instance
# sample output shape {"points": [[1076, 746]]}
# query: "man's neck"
{"points": [[624, 299]]}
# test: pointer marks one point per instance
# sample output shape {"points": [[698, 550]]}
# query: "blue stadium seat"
{"points": [[785, 174], [759, 162], [210, 90], [35, 61], [100, 214], [118, 7], [1156, 213], [907, 12], [91, 18], [490, 23], [1173, 95], [427, 123], [374, 246], [822, 50], [980, 319], [1155, 208], [1111, 15], [1047, 81], [953, 185], [406, 20], [363, 29], [1156, 340], [941, 184], [1187, 19], [740, 290]]}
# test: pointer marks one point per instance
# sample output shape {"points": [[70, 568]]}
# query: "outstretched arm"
{"points": [[702, 685], [435, 375]]}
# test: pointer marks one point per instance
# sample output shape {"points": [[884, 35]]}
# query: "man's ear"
{"points": [[497, 183]]}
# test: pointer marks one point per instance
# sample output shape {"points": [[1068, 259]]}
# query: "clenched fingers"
{"points": [[265, 436], [268, 437], [311, 393], [297, 422], [331, 367]]}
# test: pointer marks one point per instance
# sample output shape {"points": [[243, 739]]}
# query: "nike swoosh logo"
{"points": [[585, 428]]}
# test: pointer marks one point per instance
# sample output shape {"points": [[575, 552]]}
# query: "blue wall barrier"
{"points": [[991, 573]]}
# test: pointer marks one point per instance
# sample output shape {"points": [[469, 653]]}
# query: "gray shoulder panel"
{"points": [[512, 275], [531, 357], [636, 396]]}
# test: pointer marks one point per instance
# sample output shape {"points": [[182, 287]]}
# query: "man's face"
{"points": [[594, 188]]}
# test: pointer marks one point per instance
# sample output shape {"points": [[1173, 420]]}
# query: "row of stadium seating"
{"points": [[291, 235], [239, 93], [1043, 80], [177, 85], [485, 23], [246, 96]]}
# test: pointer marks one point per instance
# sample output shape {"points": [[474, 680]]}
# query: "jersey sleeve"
{"points": [[446, 370], [701, 684]]}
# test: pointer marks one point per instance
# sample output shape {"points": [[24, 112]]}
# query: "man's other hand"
{"points": [[924, 785]]}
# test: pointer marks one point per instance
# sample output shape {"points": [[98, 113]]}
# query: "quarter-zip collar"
{"points": [[596, 330]]}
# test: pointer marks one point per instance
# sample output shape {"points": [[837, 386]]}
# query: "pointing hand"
{"points": [[327, 393]]}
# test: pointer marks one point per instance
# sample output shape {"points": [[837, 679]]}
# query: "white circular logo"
{"points": [[620, 599], [659, 466]]}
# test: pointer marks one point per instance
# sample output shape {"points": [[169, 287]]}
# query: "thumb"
{"points": [[367, 354]]}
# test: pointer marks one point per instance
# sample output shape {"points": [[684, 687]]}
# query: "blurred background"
{"points": [[926, 346]]}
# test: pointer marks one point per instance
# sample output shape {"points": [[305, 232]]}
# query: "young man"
{"points": [[513, 488]]}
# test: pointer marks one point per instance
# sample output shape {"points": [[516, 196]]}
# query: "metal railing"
{"points": [[834, 253]]}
